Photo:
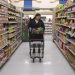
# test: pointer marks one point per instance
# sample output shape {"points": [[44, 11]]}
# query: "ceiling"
{"points": [[44, 6], [37, 3], [33, 0]]}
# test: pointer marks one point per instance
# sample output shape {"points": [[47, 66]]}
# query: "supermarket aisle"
{"points": [[53, 64]]}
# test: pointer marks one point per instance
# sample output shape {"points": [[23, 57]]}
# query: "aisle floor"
{"points": [[53, 63]]}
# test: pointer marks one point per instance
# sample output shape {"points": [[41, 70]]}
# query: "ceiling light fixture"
{"points": [[16, 0], [52, 1], [39, 1]]}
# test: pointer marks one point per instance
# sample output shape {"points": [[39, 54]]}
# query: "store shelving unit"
{"points": [[14, 27], [48, 27], [25, 22], [10, 30], [64, 32], [4, 47]]}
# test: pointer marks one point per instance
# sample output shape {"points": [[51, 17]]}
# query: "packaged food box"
{"points": [[1, 37], [5, 41], [1, 31], [1, 44], [1, 26], [4, 36], [73, 8], [7, 52], [1, 55], [69, 9]]}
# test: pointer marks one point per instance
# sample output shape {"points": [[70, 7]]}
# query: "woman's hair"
{"points": [[37, 15]]}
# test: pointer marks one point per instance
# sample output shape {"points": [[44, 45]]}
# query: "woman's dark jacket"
{"points": [[32, 24]]}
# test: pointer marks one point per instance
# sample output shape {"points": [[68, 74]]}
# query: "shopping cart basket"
{"points": [[36, 44]]}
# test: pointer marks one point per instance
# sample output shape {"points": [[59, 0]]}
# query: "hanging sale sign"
{"points": [[27, 4], [62, 1]]}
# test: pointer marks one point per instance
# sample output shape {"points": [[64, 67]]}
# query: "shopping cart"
{"points": [[36, 46]]}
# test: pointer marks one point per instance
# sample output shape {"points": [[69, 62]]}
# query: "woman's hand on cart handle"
{"points": [[33, 29]]}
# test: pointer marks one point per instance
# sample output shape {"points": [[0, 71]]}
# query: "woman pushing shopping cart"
{"points": [[36, 37]]}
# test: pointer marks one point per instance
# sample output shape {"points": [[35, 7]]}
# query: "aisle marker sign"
{"points": [[27, 4], [62, 1]]}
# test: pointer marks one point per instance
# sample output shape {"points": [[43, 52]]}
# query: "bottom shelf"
{"points": [[15, 48], [5, 59], [64, 53], [59, 47]]}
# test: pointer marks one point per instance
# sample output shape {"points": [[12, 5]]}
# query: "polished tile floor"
{"points": [[53, 63]]}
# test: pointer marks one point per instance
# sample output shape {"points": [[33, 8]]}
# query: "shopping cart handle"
{"points": [[36, 40]]}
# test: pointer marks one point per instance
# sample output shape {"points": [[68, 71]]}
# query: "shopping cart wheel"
{"points": [[53, 41], [33, 60], [40, 60]]}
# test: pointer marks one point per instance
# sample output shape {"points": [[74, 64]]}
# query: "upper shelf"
{"points": [[60, 10], [61, 17], [64, 9], [70, 6], [71, 41], [65, 25], [70, 12], [4, 3]]}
